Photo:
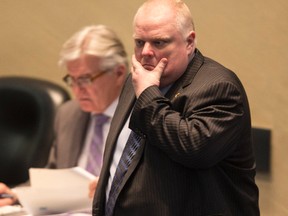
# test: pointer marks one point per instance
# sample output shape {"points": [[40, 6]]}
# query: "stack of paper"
{"points": [[13, 210], [55, 191]]}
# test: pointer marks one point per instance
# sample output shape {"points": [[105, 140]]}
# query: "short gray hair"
{"points": [[183, 18], [96, 40]]}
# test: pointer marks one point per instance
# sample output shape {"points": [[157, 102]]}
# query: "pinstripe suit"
{"points": [[71, 126], [196, 156]]}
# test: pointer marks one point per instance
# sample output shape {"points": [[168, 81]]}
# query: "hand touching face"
{"points": [[143, 78]]}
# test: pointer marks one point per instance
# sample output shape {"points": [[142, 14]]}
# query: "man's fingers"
{"points": [[161, 65], [134, 62]]}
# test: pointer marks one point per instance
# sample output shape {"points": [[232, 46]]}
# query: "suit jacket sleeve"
{"points": [[70, 132]]}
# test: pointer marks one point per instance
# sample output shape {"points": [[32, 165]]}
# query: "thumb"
{"points": [[161, 65]]}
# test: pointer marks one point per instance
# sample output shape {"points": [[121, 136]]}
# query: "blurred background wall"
{"points": [[249, 37]]}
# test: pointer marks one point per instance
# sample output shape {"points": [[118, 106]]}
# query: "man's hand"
{"points": [[4, 189], [143, 78], [92, 187]]}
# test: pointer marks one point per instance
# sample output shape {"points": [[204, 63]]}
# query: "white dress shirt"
{"points": [[83, 159]]}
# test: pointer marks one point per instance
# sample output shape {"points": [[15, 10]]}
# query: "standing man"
{"points": [[191, 151]]}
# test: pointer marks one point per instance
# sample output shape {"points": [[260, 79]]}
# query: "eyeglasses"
{"points": [[82, 81]]}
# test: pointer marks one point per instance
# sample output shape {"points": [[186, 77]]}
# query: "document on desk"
{"points": [[55, 191]]}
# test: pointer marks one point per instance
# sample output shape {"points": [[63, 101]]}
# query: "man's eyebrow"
{"points": [[166, 38]]}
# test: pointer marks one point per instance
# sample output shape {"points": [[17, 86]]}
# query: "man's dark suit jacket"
{"points": [[196, 156], [70, 131]]}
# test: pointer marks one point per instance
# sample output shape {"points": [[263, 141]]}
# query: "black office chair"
{"points": [[27, 109]]}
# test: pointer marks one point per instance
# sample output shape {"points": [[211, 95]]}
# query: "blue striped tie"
{"points": [[129, 152]]}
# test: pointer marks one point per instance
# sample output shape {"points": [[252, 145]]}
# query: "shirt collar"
{"points": [[110, 109]]}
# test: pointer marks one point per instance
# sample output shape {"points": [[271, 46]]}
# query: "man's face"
{"points": [[93, 95], [157, 37]]}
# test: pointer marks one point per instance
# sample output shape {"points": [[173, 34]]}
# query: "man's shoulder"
{"points": [[70, 108], [212, 69]]}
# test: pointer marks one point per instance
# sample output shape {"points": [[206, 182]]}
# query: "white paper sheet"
{"points": [[13, 210], [55, 191]]}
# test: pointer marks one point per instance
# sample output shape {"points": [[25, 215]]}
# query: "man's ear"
{"points": [[191, 42], [120, 70], [121, 73]]}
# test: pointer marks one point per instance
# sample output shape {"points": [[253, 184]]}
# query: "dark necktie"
{"points": [[129, 152], [95, 155]]}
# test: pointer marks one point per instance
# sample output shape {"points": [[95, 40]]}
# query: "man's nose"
{"points": [[147, 50]]}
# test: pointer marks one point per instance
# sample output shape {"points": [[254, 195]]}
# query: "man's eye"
{"points": [[84, 79], [160, 43], [139, 43]]}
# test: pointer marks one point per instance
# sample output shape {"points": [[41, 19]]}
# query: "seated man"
{"points": [[96, 64]]}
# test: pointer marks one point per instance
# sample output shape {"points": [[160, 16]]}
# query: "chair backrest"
{"points": [[261, 138], [27, 110]]}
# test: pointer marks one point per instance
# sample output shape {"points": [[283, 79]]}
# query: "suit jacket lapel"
{"points": [[188, 76], [133, 165], [125, 105], [122, 112], [78, 138]]}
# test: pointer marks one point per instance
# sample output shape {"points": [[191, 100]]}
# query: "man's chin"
{"points": [[86, 106]]}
